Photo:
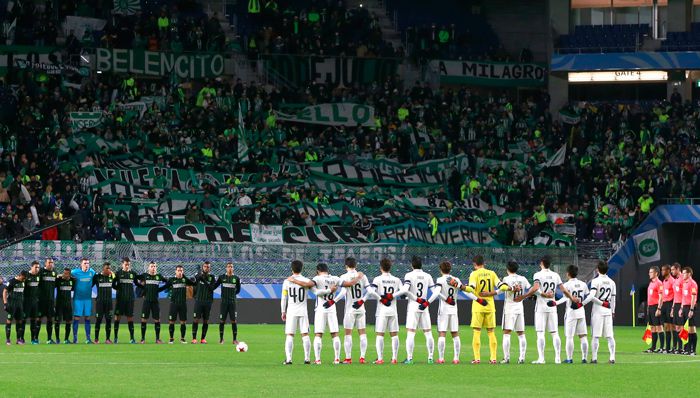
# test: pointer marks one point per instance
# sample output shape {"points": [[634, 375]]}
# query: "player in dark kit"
{"points": [[13, 299], [230, 287], [203, 298], [104, 282], [47, 302], [151, 282], [31, 302], [177, 286], [124, 282], [65, 285]]}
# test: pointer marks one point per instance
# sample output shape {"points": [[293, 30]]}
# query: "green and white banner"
{"points": [[648, 250], [152, 63], [341, 114], [569, 117], [85, 120], [502, 74], [127, 7]]}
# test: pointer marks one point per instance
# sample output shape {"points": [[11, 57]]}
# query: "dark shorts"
{"points": [[31, 309], [691, 320], [15, 311], [677, 319], [150, 308], [177, 312], [124, 308], [666, 309], [47, 308], [652, 319], [228, 309], [64, 312], [103, 308], [201, 310]]}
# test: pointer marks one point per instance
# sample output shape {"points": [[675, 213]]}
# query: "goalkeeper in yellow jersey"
{"points": [[485, 285]]}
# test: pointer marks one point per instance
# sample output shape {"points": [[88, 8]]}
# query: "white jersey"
{"points": [[509, 305], [549, 281], [446, 291], [604, 289], [296, 297], [386, 283], [419, 285], [577, 288], [354, 292], [324, 282]]}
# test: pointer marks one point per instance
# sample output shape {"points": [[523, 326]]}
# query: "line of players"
{"points": [[44, 294], [671, 300], [420, 289]]}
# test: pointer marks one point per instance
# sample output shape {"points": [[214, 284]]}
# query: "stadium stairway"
{"points": [[386, 21], [218, 7]]}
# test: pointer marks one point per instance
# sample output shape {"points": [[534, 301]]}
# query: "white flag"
{"points": [[647, 247], [557, 159]]}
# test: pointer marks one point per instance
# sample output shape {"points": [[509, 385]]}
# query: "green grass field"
{"points": [[218, 370]]}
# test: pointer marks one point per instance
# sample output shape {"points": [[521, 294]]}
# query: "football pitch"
{"points": [[218, 370]]}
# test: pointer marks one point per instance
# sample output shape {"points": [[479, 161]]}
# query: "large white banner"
{"points": [[341, 114], [80, 24], [266, 233], [647, 247]]}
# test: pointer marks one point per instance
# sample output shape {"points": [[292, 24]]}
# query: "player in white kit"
{"points": [[386, 288], [294, 311], [604, 291], [513, 312], [544, 284], [325, 313], [575, 315], [448, 320], [355, 316], [421, 290]]}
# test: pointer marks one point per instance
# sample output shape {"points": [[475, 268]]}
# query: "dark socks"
{"points": [[183, 330], [171, 330], [221, 330], [131, 329], [108, 327], [654, 337], [234, 330], [8, 330], [204, 330], [143, 330], [57, 329], [49, 329], [116, 329], [67, 332], [668, 340], [195, 326], [157, 330], [98, 324]]}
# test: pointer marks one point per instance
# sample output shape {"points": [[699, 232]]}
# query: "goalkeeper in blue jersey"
{"points": [[82, 298]]}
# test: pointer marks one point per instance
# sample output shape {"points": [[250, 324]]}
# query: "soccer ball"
{"points": [[241, 347]]}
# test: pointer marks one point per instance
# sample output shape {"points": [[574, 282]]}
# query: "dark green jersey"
{"points": [[230, 287], [31, 288], [47, 285], [124, 284], [15, 292], [151, 286], [104, 287], [204, 289], [178, 289], [64, 288]]}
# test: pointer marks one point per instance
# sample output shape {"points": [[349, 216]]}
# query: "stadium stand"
{"points": [[603, 38]]}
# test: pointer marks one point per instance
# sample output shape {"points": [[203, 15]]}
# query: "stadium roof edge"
{"points": [[625, 61]]}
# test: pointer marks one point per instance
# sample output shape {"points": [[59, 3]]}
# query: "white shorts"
{"points": [[602, 326], [546, 322], [575, 327], [293, 322], [323, 320], [354, 320], [513, 322], [385, 324], [448, 323], [418, 320]]}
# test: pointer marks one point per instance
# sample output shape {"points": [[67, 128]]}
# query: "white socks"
{"points": [[556, 341], [289, 347], [506, 346], [363, 345], [429, 343], [584, 347], [306, 341], [394, 348], [380, 348], [318, 342], [611, 347], [594, 349], [441, 348], [540, 346], [348, 346], [410, 344], [336, 348], [569, 347], [457, 343], [523, 346]]}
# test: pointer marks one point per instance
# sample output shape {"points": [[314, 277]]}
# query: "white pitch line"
{"points": [[662, 362], [107, 363]]}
